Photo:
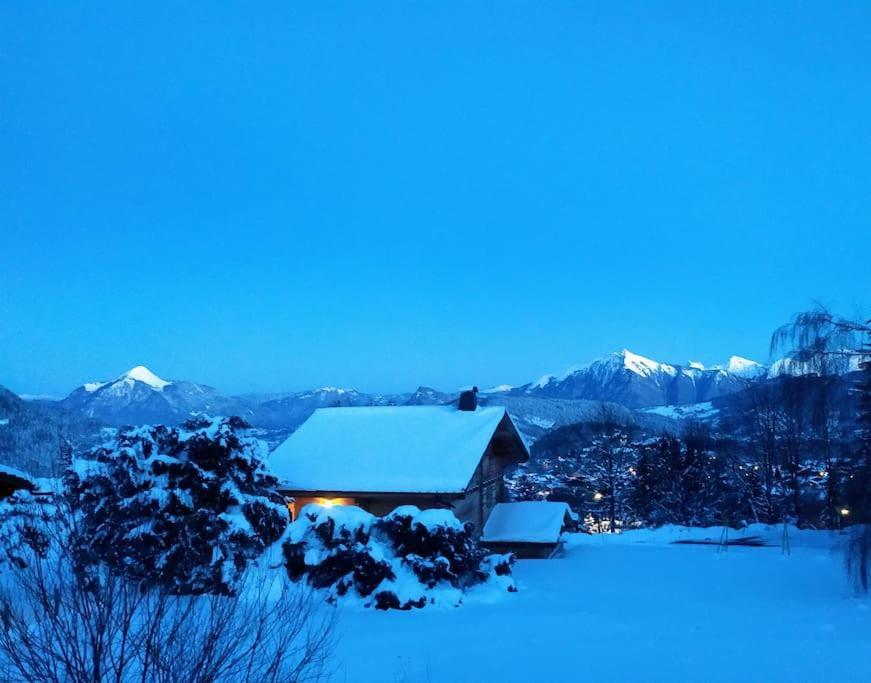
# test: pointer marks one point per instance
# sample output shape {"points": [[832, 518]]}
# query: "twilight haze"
{"points": [[313, 195]]}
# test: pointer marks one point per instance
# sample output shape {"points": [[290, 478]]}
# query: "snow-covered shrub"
{"points": [[23, 527], [62, 625], [436, 545], [410, 558], [184, 507]]}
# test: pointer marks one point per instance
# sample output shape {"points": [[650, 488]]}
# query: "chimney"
{"points": [[468, 400]]}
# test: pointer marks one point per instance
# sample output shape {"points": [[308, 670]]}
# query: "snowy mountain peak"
{"points": [[142, 374], [743, 367], [498, 389], [544, 380], [637, 381], [641, 365], [331, 391], [335, 390]]}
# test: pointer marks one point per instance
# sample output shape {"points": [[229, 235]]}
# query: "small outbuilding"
{"points": [[381, 457], [529, 529]]}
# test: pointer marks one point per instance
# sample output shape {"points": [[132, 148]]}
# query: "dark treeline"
{"points": [[700, 477]]}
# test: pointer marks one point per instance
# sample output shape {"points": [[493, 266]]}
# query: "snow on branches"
{"points": [[23, 524], [407, 559], [187, 507]]}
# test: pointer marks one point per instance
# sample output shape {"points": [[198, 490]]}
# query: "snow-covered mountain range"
{"points": [[650, 394], [623, 378], [637, 382], [139, 396]]}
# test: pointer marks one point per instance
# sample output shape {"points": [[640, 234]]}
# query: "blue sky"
{"points": [[387, 195]]}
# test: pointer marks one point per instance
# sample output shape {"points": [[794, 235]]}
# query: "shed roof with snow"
{"points": [[528, 522], [12, 479], [396, 449]]}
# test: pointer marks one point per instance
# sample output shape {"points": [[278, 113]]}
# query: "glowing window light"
{"points": [[597, 496], [845, 512]]}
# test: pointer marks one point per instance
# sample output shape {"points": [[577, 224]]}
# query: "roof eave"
{"points": [[340, 493]]}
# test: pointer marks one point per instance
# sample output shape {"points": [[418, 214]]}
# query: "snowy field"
{"points": [[634, 607]]}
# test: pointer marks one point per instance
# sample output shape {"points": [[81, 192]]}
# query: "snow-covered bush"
{"points": [[410, 558], [62, 625], [184, 507], [23, 527]]}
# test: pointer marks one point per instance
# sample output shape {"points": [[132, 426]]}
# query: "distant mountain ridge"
{"points": [[635, 381], [36, 437], [636, 389], [139, 396]]}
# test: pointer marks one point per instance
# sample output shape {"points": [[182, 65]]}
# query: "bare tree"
{"points": [[61, 623], [793, 435], [607, 464], [765, 422], [825, 344], [858, 556], [820, 341]]}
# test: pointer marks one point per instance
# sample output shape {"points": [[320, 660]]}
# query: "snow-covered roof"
{"points": [[527, 522], [8, 471], [389, 449]]}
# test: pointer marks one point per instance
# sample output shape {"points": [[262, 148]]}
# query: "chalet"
{"points": [[529, 529], [381, 457], [12, 480]]}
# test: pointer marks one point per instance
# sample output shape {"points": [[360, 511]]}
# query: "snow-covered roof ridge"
{"points": [[10, 471], [395, 449]]}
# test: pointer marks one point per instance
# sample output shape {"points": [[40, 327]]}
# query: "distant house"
{"points": [[529, 529], [13, 479], [381, 457]]}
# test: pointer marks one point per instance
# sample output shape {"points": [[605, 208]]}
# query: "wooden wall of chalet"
{"points": [[487, 486]]}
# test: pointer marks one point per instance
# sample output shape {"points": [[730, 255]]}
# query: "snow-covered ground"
{"points": [[698, 411], [634, 607]]}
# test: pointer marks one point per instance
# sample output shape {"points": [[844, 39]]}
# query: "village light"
{"points": [[845, 512], [597, 496]]}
